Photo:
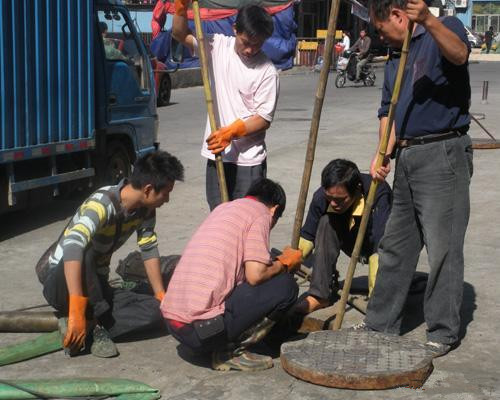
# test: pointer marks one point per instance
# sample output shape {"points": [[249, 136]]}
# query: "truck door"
{"points": [[129, 91]]}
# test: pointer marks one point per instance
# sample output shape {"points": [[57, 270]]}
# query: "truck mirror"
{"points": [[176, 51]]}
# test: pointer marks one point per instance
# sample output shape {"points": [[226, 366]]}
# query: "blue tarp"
{"points": [[280, 47]]}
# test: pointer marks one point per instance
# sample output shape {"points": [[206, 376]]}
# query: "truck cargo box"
{"points": [[46, 77]]}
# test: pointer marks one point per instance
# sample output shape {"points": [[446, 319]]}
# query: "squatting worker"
{"points": [[245, 86], [432, 174], [226, 293], [332, 225], [74, 270]]}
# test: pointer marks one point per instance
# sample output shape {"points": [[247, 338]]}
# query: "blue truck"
{"points": [[77, 103]]}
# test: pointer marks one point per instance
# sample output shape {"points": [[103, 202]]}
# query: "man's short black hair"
{"points": [[158, 168], [381, 9], [270, 193], [254, 21], [341, 172]]}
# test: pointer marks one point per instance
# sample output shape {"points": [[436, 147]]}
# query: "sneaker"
{"points": [[438, 349], [102, 345], [361, 327], [240, 361]]}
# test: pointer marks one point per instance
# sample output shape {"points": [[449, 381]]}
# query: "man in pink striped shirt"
{"points": [[226, 293]]}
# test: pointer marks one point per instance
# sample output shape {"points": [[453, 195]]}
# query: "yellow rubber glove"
{"points": [[221, 138], [306, 246], [77, 324], [290, 258], [159, 296], [181, 7], [372, 272]]}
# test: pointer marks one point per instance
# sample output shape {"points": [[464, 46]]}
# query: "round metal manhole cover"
{"points": [[357, 360]]}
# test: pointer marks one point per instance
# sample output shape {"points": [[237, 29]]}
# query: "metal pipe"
{"points": [[41, 321]]}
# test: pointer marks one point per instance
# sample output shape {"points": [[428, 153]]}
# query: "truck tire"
{"points": [[118, 164], [164, 91]]}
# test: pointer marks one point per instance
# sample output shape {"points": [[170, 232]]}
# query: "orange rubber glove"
{"points": [[159, 296], [77, 324], [181, 7], [221, 138], [290, 258]]}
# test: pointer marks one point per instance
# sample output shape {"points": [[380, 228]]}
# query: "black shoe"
{"points": [[102, 345], [438, 349], [361, 327]]}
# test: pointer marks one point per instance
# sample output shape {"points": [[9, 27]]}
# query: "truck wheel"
{"points": [[164, 91], [340, 80], [117, 163]]}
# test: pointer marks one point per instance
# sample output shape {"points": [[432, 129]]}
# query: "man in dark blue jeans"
{"points": [[433, 171]]}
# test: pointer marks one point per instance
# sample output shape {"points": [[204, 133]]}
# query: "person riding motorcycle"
{"points": [[362, 46]]}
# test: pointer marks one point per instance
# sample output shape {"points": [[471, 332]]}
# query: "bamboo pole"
{"points": [[208, 98], [373, 187], [313, 133]]}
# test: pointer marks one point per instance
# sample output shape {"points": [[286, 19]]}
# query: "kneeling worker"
{"points": [[74, 270], [332, 225], [226, 293]]}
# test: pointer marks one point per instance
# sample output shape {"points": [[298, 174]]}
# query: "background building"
{"points": [[479, 14]]}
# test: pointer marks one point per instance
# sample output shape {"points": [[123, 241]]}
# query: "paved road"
{"points": [[348, 129]]}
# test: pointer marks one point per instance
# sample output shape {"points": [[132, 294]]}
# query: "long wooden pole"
{"points": [[373, 187], [208, 98], [313, 133]]}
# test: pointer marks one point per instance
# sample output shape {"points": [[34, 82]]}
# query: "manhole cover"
{"points": [[357, 360]]}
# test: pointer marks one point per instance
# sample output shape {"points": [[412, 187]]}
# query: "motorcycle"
{"points": [[346, 69]]}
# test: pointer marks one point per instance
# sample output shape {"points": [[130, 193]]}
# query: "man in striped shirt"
{"points": [[75, 281], [226, 293]]}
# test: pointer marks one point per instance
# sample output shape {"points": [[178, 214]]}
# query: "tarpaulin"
{"points": [[280, 47]]}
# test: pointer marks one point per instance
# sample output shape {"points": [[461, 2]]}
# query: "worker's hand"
{"points": [[77, 325], [381, 173], [221, 138], [290, 258], [181, 7], [159, 296], [418, 11]]}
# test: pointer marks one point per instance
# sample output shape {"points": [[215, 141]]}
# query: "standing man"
{"points": [[433, 171], [488, 39], [226, 294], [332, 226], [362, 46], [74, 271], [245, 85]]}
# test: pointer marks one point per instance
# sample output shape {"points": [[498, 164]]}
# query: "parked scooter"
{"points": [[346, 69]]}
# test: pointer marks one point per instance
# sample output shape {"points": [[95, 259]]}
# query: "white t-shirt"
{"points": [[346, 42], [240, 90]]}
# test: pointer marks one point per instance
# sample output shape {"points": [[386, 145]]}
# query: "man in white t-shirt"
{"points": [[245, 87]]}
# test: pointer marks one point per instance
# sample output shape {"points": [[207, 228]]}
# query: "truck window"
{"points": [[121, 46]]}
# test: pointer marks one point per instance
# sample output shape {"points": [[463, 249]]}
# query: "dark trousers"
{"points": [[246, 306], [120, 311], [431, 208], [332, 236], [238, 181]]}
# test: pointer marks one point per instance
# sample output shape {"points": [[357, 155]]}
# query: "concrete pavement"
{"points": [[348, 129]]}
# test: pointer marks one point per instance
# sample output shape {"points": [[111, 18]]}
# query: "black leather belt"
{"points": [[402, 143]]}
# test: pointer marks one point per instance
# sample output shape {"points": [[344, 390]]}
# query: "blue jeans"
{"points": [[430, 207]]}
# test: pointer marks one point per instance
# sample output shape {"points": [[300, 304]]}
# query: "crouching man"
{"points": [[332, 226], [226, 293], [74, 270]]}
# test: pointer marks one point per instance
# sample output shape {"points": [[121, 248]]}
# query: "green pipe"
{"points": [[125, 389], [43, 344]]}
